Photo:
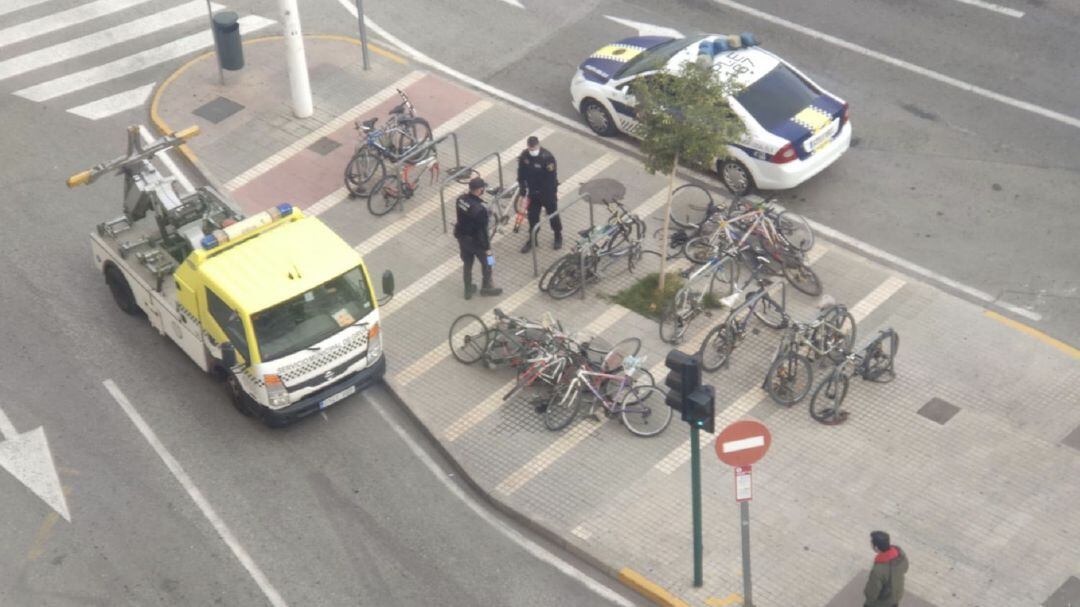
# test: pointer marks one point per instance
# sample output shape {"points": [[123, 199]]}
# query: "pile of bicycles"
{"points": [[600, 252], [562, 372]]}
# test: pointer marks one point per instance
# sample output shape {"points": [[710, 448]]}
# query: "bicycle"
{"points": [[502, 201], [791, 374], [720, 341], [641, 407], [690, 300], [874, 363], [393, 189], [597, 254]]}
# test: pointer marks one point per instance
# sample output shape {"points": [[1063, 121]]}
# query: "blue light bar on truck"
{"points": [[223, 235]]}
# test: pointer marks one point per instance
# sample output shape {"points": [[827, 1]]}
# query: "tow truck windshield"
{"points": [[305, 320]]}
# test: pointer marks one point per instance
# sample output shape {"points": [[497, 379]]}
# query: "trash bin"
{"points": [[230, 51]]}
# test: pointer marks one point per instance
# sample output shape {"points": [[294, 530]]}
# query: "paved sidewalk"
{"points": [[984, 501]]}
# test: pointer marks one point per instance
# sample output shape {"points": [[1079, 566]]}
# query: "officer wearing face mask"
{"points": [[538, 178]]}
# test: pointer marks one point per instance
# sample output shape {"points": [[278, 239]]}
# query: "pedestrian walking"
{"points": [[885, 586], [474, 243], [538, 178]]}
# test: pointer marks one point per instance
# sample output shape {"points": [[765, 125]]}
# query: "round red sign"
{"points": [[743, 443]]}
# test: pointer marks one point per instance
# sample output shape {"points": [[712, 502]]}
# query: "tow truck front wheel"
{"points": [[121, 291], [239, 398]]}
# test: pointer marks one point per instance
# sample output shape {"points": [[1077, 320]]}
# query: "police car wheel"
{"points": [[598, 118], [736, 176]]}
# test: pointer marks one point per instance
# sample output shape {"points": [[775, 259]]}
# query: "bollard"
{"points": [[230, 52]]}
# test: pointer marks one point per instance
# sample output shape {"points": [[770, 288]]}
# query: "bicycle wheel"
{"points": [[803, 278], [878, 362], [500, 350], [829, 395], [563, 406], [789, 379], [724, 279], [795, 230], [677, 238], [699, 250], [545, 278], [419, 132], [716, 347], [770, 313], [613, 359], [836, 334], [675, 317], [468, 338], [566, 279], [366, 168], [644, 412], [386, 195], [689, 205]]}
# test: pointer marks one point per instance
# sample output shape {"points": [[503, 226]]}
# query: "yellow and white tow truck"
{"points": [[277, 304]]}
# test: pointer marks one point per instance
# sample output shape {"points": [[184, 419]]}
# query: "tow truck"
{"points": [[276, 305]]}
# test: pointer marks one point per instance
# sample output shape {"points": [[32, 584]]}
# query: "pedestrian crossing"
{"points": [[103, 57]]}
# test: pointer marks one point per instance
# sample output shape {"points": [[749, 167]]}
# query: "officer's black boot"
{"points": [[525, 248], [557, 244], [470, 290], [490, 291]]}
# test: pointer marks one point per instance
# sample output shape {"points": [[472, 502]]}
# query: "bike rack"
{"points": [[536, 230], [451, 176], [423, 149]]}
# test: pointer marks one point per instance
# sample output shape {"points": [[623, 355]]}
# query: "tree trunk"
{"points": [[667, 223]]}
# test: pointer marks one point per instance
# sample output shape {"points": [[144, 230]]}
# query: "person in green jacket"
{"points": [[885, 587]]}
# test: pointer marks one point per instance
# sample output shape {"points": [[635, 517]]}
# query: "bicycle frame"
{"points": [[586, 376]]}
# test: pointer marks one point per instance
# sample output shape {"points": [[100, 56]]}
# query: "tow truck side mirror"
{"points": [[228, 355], [387, 287]]}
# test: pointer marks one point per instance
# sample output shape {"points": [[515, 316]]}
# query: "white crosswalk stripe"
{"points": [[140, 36], [103, 39], [63, 20]]}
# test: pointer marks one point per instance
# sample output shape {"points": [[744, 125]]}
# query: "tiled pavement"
{"points": [[985, 504]]}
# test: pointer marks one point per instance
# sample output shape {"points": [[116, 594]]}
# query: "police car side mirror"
{"points": [[387, 287]]}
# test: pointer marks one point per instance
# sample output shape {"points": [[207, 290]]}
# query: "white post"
{"points": [[294, 49]]}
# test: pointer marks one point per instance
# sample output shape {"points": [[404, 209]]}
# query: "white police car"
{"points": [[794, 128]]}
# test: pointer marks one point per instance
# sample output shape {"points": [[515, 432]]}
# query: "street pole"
{"points": [[210, 16], [294, 50], [744, 516], [363, 33], [695, 490]]}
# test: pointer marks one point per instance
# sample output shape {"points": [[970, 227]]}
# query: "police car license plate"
{"points": [[337, 397], [822, 139]]}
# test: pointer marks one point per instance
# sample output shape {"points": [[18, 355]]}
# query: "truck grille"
{"points": [[325, 357]]}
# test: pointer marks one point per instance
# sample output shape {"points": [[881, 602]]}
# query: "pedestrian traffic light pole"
{"points": [[697, 405]]}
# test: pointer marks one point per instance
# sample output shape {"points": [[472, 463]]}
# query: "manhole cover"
{"points": [[217, 110], [939, 411], [600, 190], [324, 146]]}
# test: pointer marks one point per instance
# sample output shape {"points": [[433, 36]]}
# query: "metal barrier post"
{"points": [[536, 229], [451, 176]]}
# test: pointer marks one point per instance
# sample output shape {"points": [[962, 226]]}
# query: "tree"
{"points": [[684, 116]]}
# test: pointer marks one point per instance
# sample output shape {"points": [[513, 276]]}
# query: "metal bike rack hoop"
{"points": [[536, 229], [450, 177]]}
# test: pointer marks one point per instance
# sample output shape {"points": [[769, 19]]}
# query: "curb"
{"points": [[628, 577]]}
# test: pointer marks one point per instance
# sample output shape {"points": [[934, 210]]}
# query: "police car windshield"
{"points": [[655, 58], [311, 317], [776, 96]]}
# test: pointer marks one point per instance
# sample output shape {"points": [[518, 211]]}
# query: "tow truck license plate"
{"points": [[335, 398]]}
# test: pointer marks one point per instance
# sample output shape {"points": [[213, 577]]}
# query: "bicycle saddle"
{"points": [[400, 109], [369, 124]]}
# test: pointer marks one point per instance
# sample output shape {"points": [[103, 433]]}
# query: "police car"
{"points": [[794, 128]]}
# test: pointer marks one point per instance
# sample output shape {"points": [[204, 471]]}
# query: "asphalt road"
{"points": [[971, 188], [341, 510]]}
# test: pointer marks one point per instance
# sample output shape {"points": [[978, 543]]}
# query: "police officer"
{"points": [[538, 177], [471, 231]]}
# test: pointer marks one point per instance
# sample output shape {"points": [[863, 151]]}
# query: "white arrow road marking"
{"points": [[27, 457], [647, 29], [744, 444]]}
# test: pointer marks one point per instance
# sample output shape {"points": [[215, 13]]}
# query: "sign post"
{"points": [[740, 445], [695, 499]]}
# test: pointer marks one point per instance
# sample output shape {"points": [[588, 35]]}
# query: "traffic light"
{"points": [[700, 409], [684, 378]]}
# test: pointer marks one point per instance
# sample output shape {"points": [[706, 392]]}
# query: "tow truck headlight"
{"points": [[276, 394], [374, 341]]}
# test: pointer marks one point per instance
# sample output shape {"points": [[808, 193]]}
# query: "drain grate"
{"points": [[1073, 440], [939, 411], [217, 110], [1068, 595], [324, 146]]}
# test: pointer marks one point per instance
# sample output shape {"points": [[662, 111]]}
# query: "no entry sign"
{"points": [[743, 443]]}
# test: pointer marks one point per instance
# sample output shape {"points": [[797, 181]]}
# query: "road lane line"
{"points": [[997, 8], [341, 194], [1037, 334], [295, 147], [900, 63], [62, 20], [10, 6], [114, 104], [104, 38], [863, 247], [514, 535], [208, 511], [132, 63], [454, 263]]}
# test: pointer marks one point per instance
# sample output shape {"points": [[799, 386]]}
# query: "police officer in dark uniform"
{"points": [[538, 177], [471, 232]]}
